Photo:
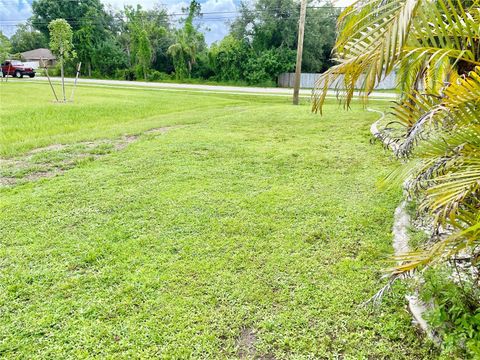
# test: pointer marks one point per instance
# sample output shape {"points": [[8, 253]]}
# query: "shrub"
{"points": [[125, 74], [456, 313], [54, 71], [228, 58], [268, 65], [158, 76], [107, 58]]}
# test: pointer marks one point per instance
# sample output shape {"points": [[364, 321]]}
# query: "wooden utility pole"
{"points": [[298, 67]]}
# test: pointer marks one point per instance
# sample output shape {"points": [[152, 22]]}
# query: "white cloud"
{"points": [[217, 22], [11, 14]]}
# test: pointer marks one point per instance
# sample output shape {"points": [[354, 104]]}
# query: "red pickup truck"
{"points": [[17, 69]]}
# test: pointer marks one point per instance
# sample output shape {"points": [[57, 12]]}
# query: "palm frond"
{"points": [[372, 36], [435, 48]]}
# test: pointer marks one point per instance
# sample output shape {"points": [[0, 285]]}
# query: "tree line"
{"points": [[149, 44]]}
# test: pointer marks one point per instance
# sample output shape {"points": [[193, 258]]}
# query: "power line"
{"points": [[173, 18], [202, 20], [201, 14]]}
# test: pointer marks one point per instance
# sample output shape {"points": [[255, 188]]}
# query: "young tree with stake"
{"points": [[61, 36]]}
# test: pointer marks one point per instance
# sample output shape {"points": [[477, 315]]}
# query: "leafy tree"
{"points": [[88, 36], [161, 36], [26, 38], [5, 47], [140, 48], [189, 41], [268, 24], [268, 64], [271, 26], [234, 59], [319, 38], [228, 58], [120, 28], [61, 44], [107, 57], [143, 51], [87, 18], [203, 66], [74, 12], [179, 52]]}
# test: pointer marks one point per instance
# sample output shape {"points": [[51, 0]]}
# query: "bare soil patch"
{"points": [[246, 343], [55, 159]]}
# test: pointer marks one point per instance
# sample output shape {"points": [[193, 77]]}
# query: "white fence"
{"points": [[308, 80]]}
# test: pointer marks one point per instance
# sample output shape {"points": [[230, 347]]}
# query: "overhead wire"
{"points": [[216, 16]]}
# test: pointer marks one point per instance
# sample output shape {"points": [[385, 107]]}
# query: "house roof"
{"points": [[38, 54]]}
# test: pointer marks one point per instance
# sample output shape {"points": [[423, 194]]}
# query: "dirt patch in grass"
{"points": [[246, 343], [53, 147], [7, 181], [55, 159], [160, 130]]}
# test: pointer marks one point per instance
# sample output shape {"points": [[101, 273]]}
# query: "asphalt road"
{"points": [[206, 88]]}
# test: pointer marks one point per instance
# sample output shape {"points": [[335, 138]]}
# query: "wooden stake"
{"points": [[76, 79], [298, 67], [48, 77], [8, 71]]}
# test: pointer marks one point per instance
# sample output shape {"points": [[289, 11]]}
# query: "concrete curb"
{"points": [[401, 224]]}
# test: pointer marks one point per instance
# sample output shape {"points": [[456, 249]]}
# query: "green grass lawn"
{"points": [[253, 230]]}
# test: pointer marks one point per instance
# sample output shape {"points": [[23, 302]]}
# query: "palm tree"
{"points": [[188, 42], [435, 48]]}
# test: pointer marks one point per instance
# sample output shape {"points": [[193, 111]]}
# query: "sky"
{"points": [[214, 26]]}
